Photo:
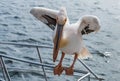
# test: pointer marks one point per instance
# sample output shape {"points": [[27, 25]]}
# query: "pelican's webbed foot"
{"points": [[58, 69], [69, 71]]}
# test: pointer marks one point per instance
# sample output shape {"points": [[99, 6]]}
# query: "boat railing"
{"points": [[5, 69]]}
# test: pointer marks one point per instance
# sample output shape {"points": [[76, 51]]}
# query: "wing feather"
{"points": [[84, 54], [47, 16], [89, 24]]}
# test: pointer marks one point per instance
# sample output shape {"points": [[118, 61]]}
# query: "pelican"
{"points": [[67, 37]]}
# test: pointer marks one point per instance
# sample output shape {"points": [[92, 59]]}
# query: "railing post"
{"points": [[89, 78], [5, 71], [41, 62], [23, 77]]}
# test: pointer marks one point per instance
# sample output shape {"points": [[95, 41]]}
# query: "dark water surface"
{"points": [[18, 25]]}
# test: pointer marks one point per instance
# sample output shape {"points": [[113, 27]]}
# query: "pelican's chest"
{"points": [[64, 42], [70, 41]]}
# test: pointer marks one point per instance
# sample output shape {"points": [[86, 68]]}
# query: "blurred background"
{"points": [[19, 26]]}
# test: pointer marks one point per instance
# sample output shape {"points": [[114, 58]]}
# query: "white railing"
{"points": [[5, 70]]}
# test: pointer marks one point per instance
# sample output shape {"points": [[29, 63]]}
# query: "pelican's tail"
{"points": [[84, 54]]}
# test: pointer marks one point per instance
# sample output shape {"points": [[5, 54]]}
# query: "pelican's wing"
{"points": [[47, 16], [86, 31], [89, 24]]}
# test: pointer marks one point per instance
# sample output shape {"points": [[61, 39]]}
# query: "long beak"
{"points": [[57, 41]]}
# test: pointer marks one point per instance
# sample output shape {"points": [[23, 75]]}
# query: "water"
{"points": [[18, 25]]}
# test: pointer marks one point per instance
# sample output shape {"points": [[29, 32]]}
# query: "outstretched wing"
{"points": [[89, 24], [47, 16]]}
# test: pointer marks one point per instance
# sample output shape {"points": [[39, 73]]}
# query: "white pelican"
{"points": [[67, 37]]}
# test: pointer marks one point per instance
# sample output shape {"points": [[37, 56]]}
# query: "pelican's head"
{"points": [[61, 21], [62, 16], [89, 23]]}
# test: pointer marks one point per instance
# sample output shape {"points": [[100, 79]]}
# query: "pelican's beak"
{"points": [[57, 39]]}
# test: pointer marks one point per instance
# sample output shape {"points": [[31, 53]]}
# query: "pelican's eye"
{"points": [[65, 20]]}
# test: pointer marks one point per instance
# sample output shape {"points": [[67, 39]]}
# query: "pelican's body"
{"points": [[67, 37], [71, 40]]}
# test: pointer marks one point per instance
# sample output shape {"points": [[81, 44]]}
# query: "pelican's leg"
{"points": [[69, 71], [59, 69]]}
